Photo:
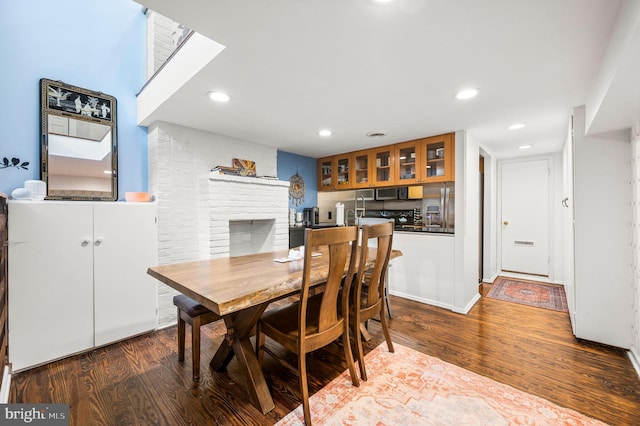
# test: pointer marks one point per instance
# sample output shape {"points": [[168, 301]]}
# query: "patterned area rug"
{"points": [[541, 295], [410, 388]]}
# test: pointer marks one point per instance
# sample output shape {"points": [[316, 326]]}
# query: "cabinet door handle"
{"points": [[98, 242], [85, 242]]}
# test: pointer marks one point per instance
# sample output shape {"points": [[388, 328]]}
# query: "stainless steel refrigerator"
{"points": [[438, 208]]}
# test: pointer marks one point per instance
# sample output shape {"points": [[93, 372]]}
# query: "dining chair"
{"points": [[315, 321], [196, 315], [369, 292]]}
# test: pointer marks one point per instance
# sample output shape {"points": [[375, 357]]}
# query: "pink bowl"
{"points": [[137, 197]]}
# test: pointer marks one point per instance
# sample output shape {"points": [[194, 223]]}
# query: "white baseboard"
{"points": [[422, 300], [6, 384], [171, 324], [490, 280], [635, 361], [470, 305], [452, 308]]}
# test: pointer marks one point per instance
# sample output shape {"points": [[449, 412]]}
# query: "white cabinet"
{"points": [[77, 276]]}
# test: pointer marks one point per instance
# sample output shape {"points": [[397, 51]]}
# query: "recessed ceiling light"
{"points": [[219, 96], [325, 132], [516, 126], [466, 94], [524, 147]]}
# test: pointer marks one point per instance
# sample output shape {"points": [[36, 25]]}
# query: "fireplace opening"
{"points": [[251, 236]]}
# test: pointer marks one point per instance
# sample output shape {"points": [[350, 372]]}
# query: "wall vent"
{"points": [[523, 243]]}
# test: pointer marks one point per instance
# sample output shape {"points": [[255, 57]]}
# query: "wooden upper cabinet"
{"points": [[373, 168], [362, 171], [408, 163], [335, 172], [382, 165], [325, 174], [343, 171], [437, 155], [426, 160]]}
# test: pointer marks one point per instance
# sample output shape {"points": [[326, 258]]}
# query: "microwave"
{"points": [[367, 194], [387, 194]]}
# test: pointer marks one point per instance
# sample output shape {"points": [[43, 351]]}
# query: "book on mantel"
{"points": [[224, 170]]}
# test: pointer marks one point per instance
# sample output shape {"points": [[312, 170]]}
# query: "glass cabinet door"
{"points": [[325, 174], [343, 171], [437, 157], [384, 173], [361, 169], [408, 168]]}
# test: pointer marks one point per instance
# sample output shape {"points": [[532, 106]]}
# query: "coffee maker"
{"points": [[311, 217]]}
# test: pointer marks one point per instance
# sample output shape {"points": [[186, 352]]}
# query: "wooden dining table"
{"points": [[239, 289]]}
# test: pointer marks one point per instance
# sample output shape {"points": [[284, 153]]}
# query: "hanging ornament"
{"points": [[296, 189]]}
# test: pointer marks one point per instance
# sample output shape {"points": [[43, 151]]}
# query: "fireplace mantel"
{"points": [[213, 176]]}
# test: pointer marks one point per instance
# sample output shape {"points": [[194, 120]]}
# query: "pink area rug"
{"points": [[410, 388], [541, 295]]}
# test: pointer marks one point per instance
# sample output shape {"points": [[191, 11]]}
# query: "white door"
{"points": [[525, 217], [125, 245]]}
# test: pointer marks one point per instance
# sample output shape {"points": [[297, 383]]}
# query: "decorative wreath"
{"points": [[296, 189]]}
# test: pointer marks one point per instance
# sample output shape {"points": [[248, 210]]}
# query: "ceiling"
{"points": [[294, 67]]}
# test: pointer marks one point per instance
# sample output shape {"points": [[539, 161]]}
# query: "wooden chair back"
{"points": [[376, 276], [342, 251], [366, 308]]}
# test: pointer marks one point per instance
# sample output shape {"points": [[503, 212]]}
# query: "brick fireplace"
{"points": [[242, 215]]}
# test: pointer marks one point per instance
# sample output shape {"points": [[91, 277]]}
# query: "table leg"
{"points": [[240, 327]]}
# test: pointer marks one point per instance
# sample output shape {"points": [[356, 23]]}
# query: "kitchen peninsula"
{"points": [[420, 181]]}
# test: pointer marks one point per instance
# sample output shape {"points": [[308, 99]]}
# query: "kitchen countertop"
{"points": [[414, 229]]}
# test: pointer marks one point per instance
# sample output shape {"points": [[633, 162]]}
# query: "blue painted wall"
{"points": [[306, 167], [95, 44]]}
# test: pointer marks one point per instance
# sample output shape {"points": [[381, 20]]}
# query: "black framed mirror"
{"points": [[79, 143]]}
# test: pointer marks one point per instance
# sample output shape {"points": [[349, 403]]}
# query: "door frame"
{"points": [[551, 219]]}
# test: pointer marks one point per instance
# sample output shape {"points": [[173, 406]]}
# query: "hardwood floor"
{"points": [[139, 381]]}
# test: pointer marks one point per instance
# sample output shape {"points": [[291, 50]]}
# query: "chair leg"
{"points": [[304, 390], [181, 332], [357, 331], [385, 329], [386, 293], [388, 301], [195, 347], [360, 357], [349, 356]]}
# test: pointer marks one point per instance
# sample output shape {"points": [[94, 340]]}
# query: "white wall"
{"points": [[602, 215], [467, 227], [489, 255], [635, 190], [568, 236]]}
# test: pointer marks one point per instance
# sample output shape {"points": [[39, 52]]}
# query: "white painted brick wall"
{"points": [[238, 198], [179, 162], [163, 37]]}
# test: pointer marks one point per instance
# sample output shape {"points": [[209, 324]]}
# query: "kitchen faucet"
{"points": [[347, 216]]}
